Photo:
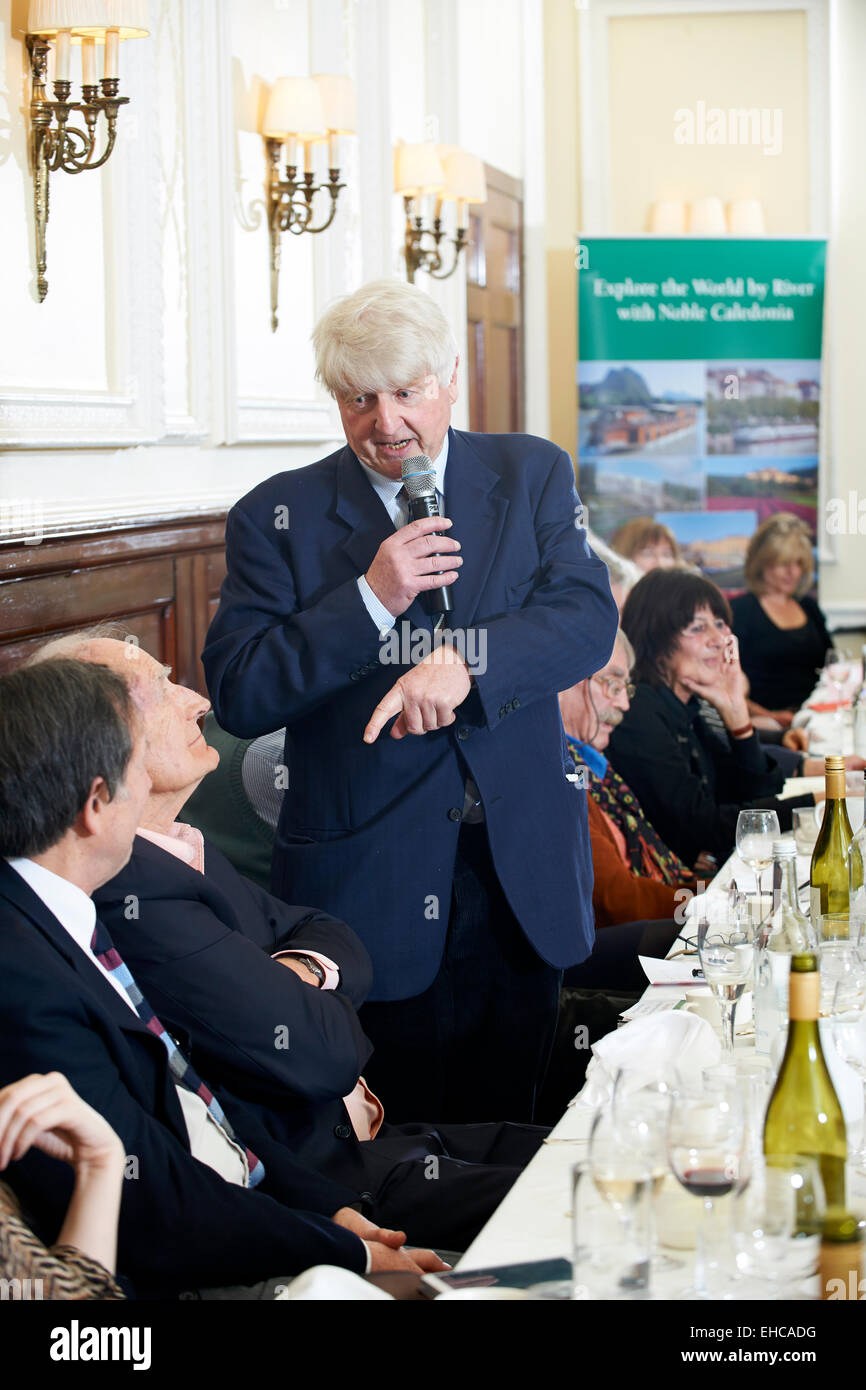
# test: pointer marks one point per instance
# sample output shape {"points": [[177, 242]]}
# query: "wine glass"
{"points": [[640, 1108], [837, 669], [756, 831], [727, 955], [623, 1176], [777, 1221], [706, 1137]]}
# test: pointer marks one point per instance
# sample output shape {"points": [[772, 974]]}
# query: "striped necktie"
{"points": [[181, 1068]]}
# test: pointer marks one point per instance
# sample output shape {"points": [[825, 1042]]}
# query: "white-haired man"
{"points": [[459, 856]]}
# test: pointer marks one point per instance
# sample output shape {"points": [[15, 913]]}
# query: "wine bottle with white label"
{"points": [[828, 875], [804, 1117]]}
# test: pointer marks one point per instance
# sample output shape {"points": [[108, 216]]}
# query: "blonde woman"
{"points": [[781, 630], [649, 544]]}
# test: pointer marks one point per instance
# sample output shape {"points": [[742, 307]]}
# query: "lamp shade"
{"points": [[417, 169], [668, 217], [707, 218], [746, 217], [90, 18], [338, 103], [294, 108], [464, 174]]}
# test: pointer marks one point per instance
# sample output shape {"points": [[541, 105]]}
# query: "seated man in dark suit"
{"points": [[200, 939], [212, 1198]]}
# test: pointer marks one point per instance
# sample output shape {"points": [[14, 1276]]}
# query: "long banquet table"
{"points": [[534, 1221]]}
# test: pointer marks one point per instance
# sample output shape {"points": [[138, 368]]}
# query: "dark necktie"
{"points": [[181, 1068]]}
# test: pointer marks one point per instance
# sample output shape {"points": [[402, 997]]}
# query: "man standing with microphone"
{"points": [[452, 842]]}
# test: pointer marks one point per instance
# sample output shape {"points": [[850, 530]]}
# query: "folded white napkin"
{"points": [[330, 1283], [650, 1049]]}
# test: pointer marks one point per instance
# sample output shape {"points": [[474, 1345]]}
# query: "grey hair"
{"points": [[385, 336], [628, 649], [620, 570], [74, 646]]}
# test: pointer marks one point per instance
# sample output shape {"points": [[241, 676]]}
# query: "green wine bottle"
{"points": [[828, 875], [804, 1117]]}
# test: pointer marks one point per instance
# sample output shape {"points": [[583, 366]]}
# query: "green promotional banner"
{"points": [[699, 380]]}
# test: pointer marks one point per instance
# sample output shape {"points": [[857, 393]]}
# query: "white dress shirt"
{"points": [[76, 913]]}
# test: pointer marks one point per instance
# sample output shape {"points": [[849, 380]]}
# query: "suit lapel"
{"points": [[478, 514], [13, 887]]}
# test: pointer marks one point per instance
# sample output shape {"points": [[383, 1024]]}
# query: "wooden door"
{"points": [[494, 307]]}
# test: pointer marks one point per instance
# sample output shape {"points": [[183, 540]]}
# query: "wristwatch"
{"points": [[313, 966]]}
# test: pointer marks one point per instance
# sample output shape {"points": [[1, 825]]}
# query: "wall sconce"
{"points": [[54, 143], [302, 112], [446, 172], [707, 217]]}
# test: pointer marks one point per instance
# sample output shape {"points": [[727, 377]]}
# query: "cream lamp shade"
{"points": [[294, 108], [746, 217], [707, 218], [668, 217], [464, 174], [417, 170], [338, 103], [90, 18]]}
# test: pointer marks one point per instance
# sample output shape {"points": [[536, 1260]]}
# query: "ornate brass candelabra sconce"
{"points": [[55, 143], [303, 112], [445, 172], [428, 258]]}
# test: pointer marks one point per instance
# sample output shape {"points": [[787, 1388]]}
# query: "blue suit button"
{"points": [[515, 704], [342, 1131], [455, 813], [353, 675], [462, 733]]}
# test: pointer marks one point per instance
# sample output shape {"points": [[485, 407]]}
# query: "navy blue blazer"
{"points": [[181, 1225], [370, 832]]}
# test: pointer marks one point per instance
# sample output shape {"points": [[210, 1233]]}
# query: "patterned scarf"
{"points": [[646, 853]]}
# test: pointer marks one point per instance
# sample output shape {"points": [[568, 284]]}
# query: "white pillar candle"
{"points": [[61, 55], [462, 213], [88, 62], [112, 46], [333, 150], [291, 150], [438, 213]]}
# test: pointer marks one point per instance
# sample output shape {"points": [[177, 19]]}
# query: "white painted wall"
{"points": [[149, 380]]}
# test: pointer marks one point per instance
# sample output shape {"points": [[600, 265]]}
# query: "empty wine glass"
{"points": [[777, 1222], [837, 669], [756, 831], [849, 1039], [706, 1135], [727, 954]]}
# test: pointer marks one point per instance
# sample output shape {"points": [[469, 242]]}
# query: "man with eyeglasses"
{"points": [[637, 877]]}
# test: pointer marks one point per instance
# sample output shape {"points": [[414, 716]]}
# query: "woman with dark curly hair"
{"points": [[692, 778]]}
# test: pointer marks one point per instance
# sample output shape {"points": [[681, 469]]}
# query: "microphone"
{"points": [[419, 482]]}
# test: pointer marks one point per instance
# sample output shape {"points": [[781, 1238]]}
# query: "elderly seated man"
{"points": [[638, 881], [211, 950]]}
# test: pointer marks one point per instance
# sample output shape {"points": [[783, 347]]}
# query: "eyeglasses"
{"points": [[702, 627], [615, 687]]}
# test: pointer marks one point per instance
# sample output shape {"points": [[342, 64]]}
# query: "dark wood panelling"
{"points": [[160, 581]]}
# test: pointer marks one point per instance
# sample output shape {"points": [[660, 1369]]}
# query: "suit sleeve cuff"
{"points": [[378, 612]]}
